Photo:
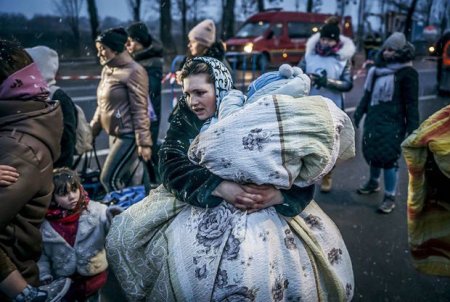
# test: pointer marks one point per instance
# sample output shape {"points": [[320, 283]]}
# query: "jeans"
{"points": [[390, 178]]}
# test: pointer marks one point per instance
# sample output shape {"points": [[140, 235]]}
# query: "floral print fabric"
{"points": [[163, 250]]}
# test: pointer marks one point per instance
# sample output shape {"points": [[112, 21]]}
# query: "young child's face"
{"points": [[68, 201]]}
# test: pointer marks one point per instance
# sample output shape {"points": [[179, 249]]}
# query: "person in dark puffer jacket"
{"points": [[148, 52], [390, 103]]}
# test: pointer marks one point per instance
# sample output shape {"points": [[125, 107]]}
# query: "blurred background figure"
{"points": [[390, 102], [203, 43], [328, 63], [47, 61], [122, 111], [372, 43], [148, 52]]}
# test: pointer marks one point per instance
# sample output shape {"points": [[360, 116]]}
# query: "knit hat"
{"points": [[287, 80], [204, 33], [331, 31], [396, 41], [114, 38], [46, 60], [139, 32]]}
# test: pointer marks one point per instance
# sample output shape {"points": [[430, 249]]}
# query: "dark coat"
{"points": [[194, 184], [69, 136], [151, 58], [30, 134], [387, 124]]}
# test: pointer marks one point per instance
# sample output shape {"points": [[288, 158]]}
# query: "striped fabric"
{"points": [[429, 218]]}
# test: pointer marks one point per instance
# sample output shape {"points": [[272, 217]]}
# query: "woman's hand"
{"points": [[145, 153], [8, 175], [230, 191], [260, 197], [248, 197]]}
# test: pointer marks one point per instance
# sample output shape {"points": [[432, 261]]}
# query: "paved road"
{"points": [[377, 243]]}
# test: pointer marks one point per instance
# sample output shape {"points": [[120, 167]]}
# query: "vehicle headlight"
{"points": [[248, 48], [431, 49]]}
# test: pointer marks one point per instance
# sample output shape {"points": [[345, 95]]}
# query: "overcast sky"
{"points": [[113, 8], [119, 8]]}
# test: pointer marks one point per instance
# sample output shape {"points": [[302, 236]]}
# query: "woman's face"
{"points": [[195, 48], [68, 201], [133, 45], [328, 42], [104, 53], [388, 54], [200, 95]]}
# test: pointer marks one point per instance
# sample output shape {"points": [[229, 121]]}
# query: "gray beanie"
{"points": [[396, 41]]}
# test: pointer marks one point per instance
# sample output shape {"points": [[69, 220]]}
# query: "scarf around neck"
{"points": [[25, 84], [382, 90]]}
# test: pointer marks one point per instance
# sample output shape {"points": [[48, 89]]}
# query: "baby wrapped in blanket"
{"points": [[278, 133]]}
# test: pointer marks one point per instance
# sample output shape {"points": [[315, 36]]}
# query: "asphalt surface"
{"points": [[378, 244]]}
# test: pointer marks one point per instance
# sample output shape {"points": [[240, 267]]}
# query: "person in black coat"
{"points": [[390, 103], [148, 52]]}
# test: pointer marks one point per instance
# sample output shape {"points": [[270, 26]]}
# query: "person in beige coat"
{"points": [[122, 111]]}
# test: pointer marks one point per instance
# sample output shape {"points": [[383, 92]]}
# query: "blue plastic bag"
{"points": [[125, 197]]}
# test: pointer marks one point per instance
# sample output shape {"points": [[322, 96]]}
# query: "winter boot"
{"points": [[31, 294], [388, 204], [369, 187], [57, 289], [327, 182]]}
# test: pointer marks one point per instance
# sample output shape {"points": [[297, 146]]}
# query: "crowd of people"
{"points": [[234, 216]]}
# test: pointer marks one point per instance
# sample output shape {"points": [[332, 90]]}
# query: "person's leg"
{"points": [[390, 181], [390, 189], [373, 184], [118, 165]]}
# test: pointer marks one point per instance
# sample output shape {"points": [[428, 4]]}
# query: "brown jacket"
{"points": [[122, 100], [30, 135]]}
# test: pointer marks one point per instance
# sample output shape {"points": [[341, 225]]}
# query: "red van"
{"points": [[279, 35]]}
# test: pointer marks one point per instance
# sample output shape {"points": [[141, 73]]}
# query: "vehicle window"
{"points": [[253, 29], [302, 30], [277, 29]]}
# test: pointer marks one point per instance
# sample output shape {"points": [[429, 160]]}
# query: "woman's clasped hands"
{"points": [[249, 197]]}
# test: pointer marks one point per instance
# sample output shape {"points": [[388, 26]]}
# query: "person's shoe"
{"points": [[57, 289], [326, 184], [31, 294], [369, 187], [387, 205]]}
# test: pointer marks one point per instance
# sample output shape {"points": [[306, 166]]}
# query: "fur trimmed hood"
{"points": [[345, 53]]}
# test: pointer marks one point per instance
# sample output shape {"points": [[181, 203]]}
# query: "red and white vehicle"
{"points": [[280, 36]]}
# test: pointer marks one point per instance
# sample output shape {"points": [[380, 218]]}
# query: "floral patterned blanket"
{"points": [[278, 140], [227, 254]]}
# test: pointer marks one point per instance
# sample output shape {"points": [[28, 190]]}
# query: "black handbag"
{"points": [[90, 177]]}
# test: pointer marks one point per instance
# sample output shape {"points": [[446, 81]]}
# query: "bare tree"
{"points": [[93, 18], [165, 26], [228, 18], [408, 22], [70, 11], [261, 6], [135, 6], [313, 6]]}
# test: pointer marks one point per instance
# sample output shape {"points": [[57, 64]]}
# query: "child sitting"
{"points": [[73, 236]]}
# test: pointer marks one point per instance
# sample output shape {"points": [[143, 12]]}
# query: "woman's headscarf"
{"points": [[223, 81]]}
